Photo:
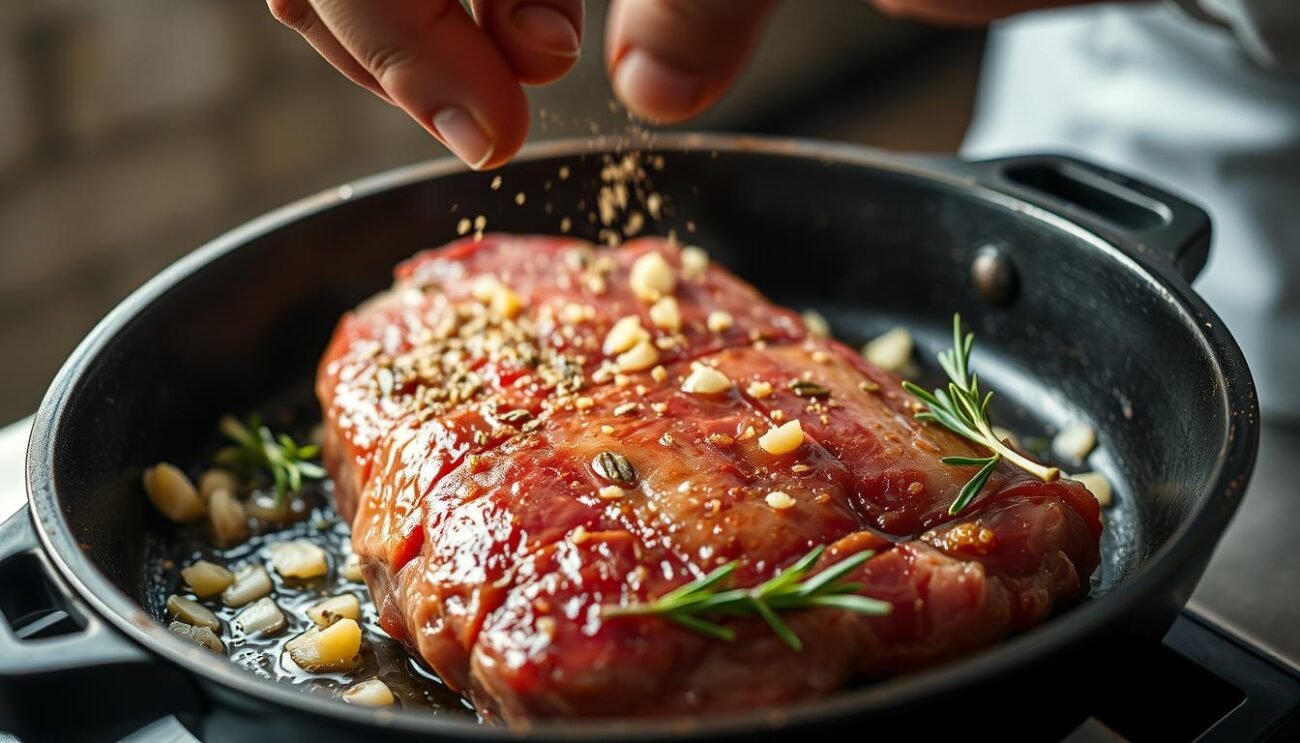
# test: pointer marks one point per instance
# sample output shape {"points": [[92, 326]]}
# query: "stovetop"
{"points": [[1229, 669]]}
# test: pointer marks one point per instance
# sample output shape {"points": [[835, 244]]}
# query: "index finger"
{"points": [[436, 64]]}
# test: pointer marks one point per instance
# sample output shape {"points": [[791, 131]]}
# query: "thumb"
{"points": [[670, 59]]}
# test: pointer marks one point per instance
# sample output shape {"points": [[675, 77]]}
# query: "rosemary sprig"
{"points": [[962, 409], [256, 449], [699, 604]]}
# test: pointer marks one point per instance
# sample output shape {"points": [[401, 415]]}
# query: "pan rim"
{"points": [[1204, 524]]}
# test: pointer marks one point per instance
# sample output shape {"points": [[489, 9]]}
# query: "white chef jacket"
{"points": [[1205, 106]]}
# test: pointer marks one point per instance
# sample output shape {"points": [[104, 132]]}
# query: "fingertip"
{"points": [[655, 90], [540, 39]]}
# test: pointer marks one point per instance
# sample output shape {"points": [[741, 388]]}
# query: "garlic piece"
{"points": [[298, 559], [330, 649], [719, 321], [172, 493], [217, 479], [262, 617], [783, 439], [198, 635], [207, 579], [328, 611], [816, 323], [705, 380], [759, 389], [640, 357], [651, 277], [625, 333], [369, 693], [506, 303], [228, 519], [1098, 485], [192, 613], [1074, 442], [779, 500], [351, 569], [251, 583], [891, 351], [694, 262], [666, 314], [484, 287]]}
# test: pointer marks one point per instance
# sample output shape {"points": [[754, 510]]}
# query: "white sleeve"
{"points": [[1268, 29]]}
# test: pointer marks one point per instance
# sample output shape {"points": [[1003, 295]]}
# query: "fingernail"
{"points": [[461, 132], [652, 88], [548, 29]]}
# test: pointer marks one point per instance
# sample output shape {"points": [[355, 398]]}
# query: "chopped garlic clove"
{"points": [[217, 479], [783, 439], [891, 351], [759, 389], [269, 509], [705, 380], [298, 559], [198, 635], [719, 321], [506, 303], [779, 500], [262, 617], [207, 579], [695, 262], [666, 314], [369, 693], [328, 611], [651, 277], [817, 325], [1074, 442], [351, 569], [192, 613], [228, 519], [330, 649], [1098, 485], [484, 287], [251, 583], [640, 357], [625, 333], [172, 493]]}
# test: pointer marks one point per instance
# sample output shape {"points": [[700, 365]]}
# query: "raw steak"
{"points": [[465, 406]]}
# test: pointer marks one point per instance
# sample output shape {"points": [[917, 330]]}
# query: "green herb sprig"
{"points": [[962, 409], [256, 449], [699, 604]]}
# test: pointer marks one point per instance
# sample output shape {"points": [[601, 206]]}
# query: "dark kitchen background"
{"points": [[131, 131]]}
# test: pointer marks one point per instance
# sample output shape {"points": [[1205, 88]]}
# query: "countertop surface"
{"points": [[1251, 588]]}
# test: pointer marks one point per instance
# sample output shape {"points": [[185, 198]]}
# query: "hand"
{"points": [[460, 77]]}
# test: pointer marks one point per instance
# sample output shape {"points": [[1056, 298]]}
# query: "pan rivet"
{"points": [[994, 275]]}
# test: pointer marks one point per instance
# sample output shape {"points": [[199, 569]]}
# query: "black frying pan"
{"points": [[1074, 278]]}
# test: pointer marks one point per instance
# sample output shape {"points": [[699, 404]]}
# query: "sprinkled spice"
{"points": [[806, 388], [614, 467], [517, 415]]}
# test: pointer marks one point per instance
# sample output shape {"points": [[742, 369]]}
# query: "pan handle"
{"points": [[1150, 223], [64, 673]]}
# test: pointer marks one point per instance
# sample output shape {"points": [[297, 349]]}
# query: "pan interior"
{"points": [[1084, 339]]}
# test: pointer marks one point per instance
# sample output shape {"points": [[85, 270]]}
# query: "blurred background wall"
{"points": [[131, 131]]}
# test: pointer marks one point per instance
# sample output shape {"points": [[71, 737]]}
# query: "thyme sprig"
{"points": [[700, 604], [961, 408], [257, 449]]}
